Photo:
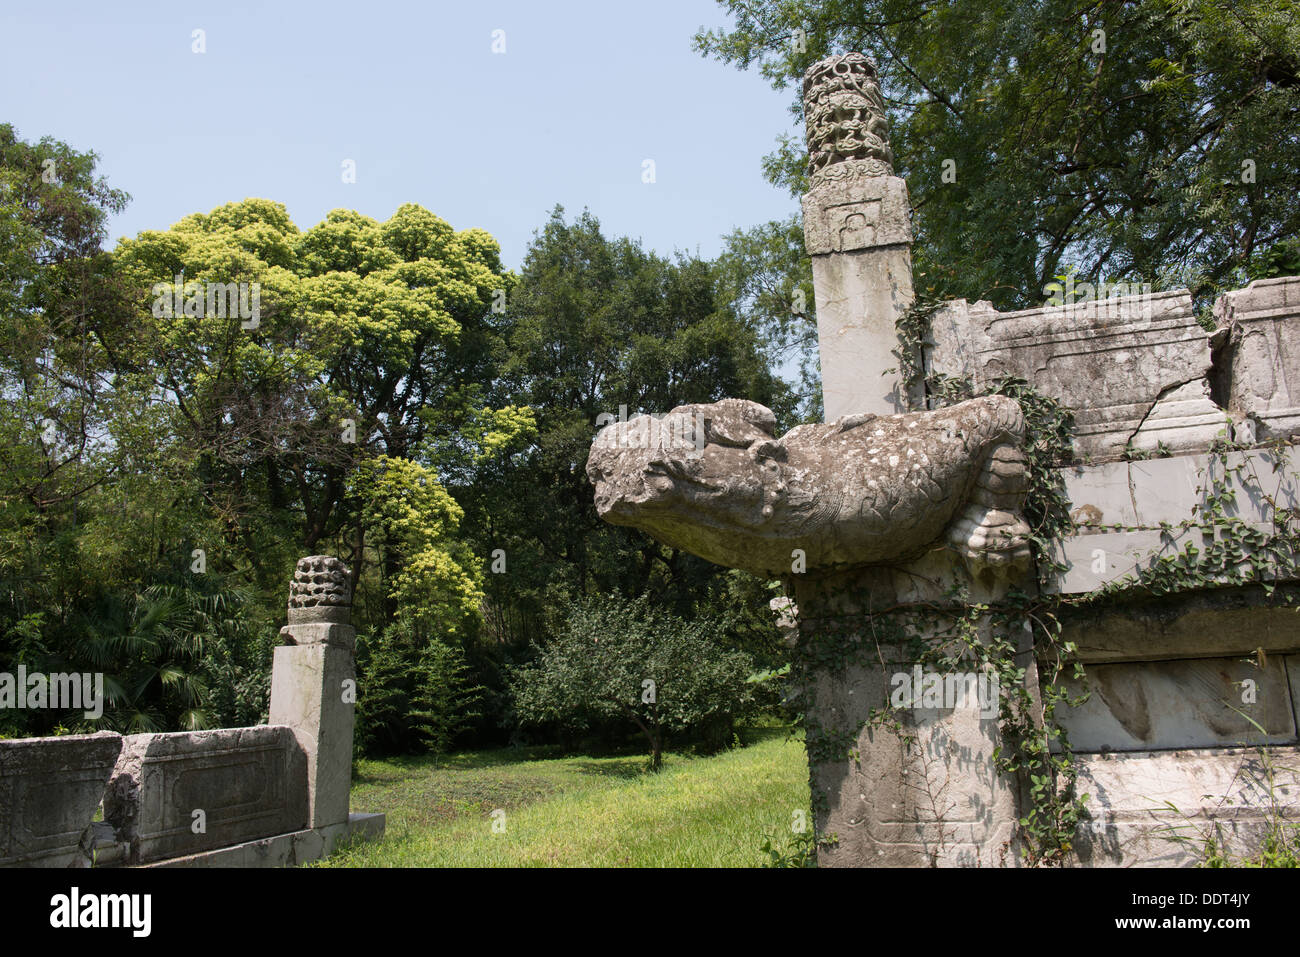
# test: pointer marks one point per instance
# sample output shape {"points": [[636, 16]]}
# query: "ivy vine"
{"points": [[1219, 547]]}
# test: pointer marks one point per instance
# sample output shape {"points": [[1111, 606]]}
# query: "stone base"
{"points": [[287, 850], [925, 795], [1218, 790], [919, 791]]}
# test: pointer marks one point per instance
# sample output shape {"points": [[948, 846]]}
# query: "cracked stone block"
{"points": [[1180, 412], [1133, 369], [186, 792], [1259, 354], [49, 789], [1150, 492]]}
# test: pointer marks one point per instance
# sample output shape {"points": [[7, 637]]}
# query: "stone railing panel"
{"points": [[49, 790], [1134, 369], [1259, 354], [181, 793]]}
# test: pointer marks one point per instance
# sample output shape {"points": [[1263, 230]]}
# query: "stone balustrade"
{"points": [[267, 795]]}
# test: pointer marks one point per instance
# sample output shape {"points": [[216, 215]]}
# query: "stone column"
{"points": [[857, 228], [313, 683], [919, 788], [911, 785]]}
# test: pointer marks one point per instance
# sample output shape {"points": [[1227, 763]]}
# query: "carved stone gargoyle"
{"points": [[864, 490]]}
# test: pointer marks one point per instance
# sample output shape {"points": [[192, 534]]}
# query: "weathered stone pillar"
{"points": [[857, 228], [901, 754], [313, 683], [881, 521]]}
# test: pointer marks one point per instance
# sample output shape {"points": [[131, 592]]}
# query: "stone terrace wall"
{"points": [[1195, 695]]}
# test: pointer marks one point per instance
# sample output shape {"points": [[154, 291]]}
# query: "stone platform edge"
{"points": [[286, 850]]}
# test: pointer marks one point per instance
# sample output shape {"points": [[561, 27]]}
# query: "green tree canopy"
{"points": [[597, 325], [1147, 140], [626, 659], [369, 363]]}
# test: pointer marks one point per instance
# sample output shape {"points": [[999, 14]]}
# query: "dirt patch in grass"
{"points": [[425, 801]]}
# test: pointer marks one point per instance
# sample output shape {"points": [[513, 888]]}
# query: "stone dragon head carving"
{"points": [[862, 490]]}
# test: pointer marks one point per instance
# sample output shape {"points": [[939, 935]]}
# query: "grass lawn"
{"points": [[582, 811]]}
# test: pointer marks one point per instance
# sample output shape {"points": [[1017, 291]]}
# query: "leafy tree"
{"points": [[335, 416], [166, 460], [621, 658], [187, 655], [383, 326], [1149, 140], [420, 692], [599, 325], [54, 398]]}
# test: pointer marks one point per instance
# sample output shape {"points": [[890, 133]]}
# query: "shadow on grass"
{"points": [[378, 770], [627, 760], [616, 768], [750, 736]]}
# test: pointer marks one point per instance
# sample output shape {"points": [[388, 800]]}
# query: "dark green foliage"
{"points": [[417, 692], [596, 324], [1124, 155], [160, 474]]}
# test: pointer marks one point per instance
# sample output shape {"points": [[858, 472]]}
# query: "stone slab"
{"points": [[1096, 560], [1132, 368], [860, 296], [927, 796], [1171, 705], [287, 850], [1149, 492], [248, 782], [1204, 624], [49, 790], [1226, 789], [1259, 355]]}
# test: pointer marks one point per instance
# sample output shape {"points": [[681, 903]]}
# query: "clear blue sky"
{"points": [[414, 94]]}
